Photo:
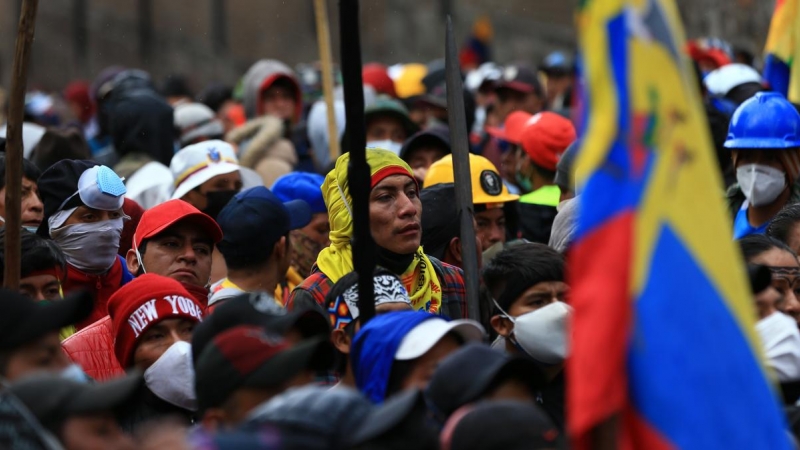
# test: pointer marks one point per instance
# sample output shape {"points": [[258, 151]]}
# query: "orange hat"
{"points": [[512, 127], [545, 137]]}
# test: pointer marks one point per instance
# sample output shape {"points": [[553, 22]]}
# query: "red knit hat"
{"points": [[545, 137], [143, 302]]}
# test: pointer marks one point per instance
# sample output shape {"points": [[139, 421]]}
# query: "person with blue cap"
{"points": [[306, 242], [764, 140], [83, 216], [255, 243]]}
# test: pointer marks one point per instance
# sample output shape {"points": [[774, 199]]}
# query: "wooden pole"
{"points": [[16, 107], [324, 42]]}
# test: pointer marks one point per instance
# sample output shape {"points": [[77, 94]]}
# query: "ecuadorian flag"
{"points": [[783, 50], [663, 331]]}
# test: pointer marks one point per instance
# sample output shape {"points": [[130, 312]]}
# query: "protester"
{"points": [[400, 350], [153, 318], [765, 148], [377, 76], [82, 107], [395, 211], [785, 268], [519, 90], [527, 285], [83, 216], [511, 136], [80, 415], [219, 98], [460, 380], [441, 231], [196, 122], [560, 80], [206, 175], [256, 242], [306, 242], [29, 334], [489, 196], [31, 202], [545, 138], [42, 267], [509, 425], [783, 226], [342, 307], [424, 148], [245, 366], [387, 124]]}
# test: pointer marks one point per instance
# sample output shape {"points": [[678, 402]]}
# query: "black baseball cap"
{"points": [[459, 380], [441, 222], [23, 320], [403, 416], [260, 309], [436, 136], [256, 219], [506, 424], [520, 78], [52, 398], [248, 356]]}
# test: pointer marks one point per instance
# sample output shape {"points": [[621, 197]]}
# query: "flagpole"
{"points": [[359, 171], [326, 60], [14, 145]]}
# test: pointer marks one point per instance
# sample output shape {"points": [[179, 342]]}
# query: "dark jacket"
{"points": [[145, 407], [736, 197]]}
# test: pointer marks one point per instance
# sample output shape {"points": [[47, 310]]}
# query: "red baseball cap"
{"points": [[377, 76], [157, 219], [545, 138], [512, 128]]}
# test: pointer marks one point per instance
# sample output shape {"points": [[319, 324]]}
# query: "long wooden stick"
{"points": [[324, 42], [16, 107]]}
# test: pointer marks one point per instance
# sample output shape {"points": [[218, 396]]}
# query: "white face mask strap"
{"points": [[138, 255], [508, 316]]}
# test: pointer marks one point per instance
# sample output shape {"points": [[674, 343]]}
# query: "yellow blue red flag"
{"points": [[782, 51], [663, 331]]}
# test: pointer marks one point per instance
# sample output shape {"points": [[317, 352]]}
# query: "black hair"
{"points": [[521, 266], [544, 173], [215, 95], [783, 222], [241, 260], [37, 252], [756, 244], [29, 170]]}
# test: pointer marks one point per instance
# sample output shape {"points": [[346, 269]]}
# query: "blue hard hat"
{"points": [[765, 121]]}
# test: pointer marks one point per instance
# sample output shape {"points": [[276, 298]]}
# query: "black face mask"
{"points": [[216, 200]]}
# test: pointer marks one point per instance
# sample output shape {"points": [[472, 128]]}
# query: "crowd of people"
{"points": [[187, 279]]}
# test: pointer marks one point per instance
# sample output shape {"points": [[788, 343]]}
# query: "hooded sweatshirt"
{"points": [[261, 76]]}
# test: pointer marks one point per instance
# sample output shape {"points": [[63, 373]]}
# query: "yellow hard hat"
{"points": [[487, 186], [409, 83]]}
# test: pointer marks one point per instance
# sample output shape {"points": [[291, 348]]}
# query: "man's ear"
{"points": [[132, 262], [341, 341], [502, 325], [280, 251], [454, 247]]}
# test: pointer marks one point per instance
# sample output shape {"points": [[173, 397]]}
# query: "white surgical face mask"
{"points": [[386, 144], [542, 333], [90, 247], [760, 184], [781, 340], [171, 377], [75, 373]]}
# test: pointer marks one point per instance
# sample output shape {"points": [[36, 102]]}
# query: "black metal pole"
{"points": [[358, 170], [460, 144]]}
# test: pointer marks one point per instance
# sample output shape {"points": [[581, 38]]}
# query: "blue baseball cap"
{"points": [[256, 219], [301, 186]]}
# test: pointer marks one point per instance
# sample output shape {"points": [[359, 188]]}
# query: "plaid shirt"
{"points": [[454, 292]]}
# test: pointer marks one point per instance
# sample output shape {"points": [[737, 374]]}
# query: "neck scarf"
{"points": [[336, 260]]}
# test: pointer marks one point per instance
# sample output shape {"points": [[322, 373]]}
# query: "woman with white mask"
{"points": [[83, 216], [764, 140], [526, 282], [153, 318]]}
